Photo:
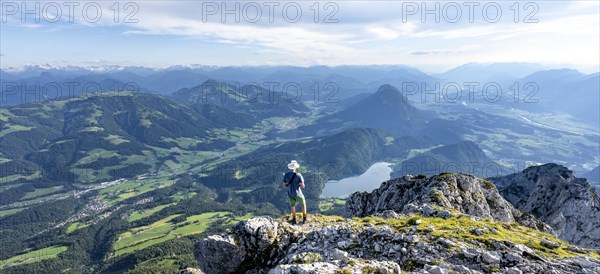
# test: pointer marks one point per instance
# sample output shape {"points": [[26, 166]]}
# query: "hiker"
{"points": [[294, 182]]}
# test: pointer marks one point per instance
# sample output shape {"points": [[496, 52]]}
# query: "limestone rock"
{"points": [[264, 245], [555, 196], [436, 196]]}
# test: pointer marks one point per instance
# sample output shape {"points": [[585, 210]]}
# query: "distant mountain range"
{"points": [[464, 156], [483, 73], [250, 99], [317, 81], [559, 90], [564, 90]]}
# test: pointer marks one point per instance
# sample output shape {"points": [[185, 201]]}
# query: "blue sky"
{"points": [[166, 33]]}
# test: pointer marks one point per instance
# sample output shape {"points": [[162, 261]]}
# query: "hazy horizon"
{"points": [[154, 34], [112, 67]]}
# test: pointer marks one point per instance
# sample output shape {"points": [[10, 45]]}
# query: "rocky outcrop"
{"points": [[443, 195], [555, 196], [386, 245], [253, 243], [450, 223]]}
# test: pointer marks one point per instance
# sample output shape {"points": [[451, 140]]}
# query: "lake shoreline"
{"points": [[369, 180]]}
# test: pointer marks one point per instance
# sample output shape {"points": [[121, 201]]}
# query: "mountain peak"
{"points": [[389, 91], [449, 192], [554, 74], [387, 87], [566, 175], [385, 109], [553, 194]]}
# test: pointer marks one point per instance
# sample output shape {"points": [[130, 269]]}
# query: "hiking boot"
{"points": [[292, 221], [303, 219]]}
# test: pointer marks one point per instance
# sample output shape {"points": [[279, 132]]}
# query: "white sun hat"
{"points": [[293, 165]]}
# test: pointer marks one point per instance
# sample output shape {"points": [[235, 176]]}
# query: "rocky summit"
{"points": [[451, 223], [555, 196], [440, 196], [395, 244]]}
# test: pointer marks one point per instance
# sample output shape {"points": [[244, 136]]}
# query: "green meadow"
{"points": [[34, 256], [164, 229]]}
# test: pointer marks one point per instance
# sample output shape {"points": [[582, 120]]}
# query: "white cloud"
{"points": [[370, 32]]}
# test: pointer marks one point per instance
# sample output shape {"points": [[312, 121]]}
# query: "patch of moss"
{"points": [[343, 271], [413, 220], [323, 219], [487, 242], [411, 265], [517, 234], [437, 196], [487, 184], [369, 269], [443, 176], [308, 258], [451, 186]]}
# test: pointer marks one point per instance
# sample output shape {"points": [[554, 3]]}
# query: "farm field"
{"points": [[165, 229], [34, 256]]}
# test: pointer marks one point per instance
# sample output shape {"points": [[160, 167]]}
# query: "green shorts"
{"points": [[296, 200]]}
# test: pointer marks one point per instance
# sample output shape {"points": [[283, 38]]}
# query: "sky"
{"points": [[433, 36]]}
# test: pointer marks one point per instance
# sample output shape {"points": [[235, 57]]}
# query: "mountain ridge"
{"points": [[554, 195]]}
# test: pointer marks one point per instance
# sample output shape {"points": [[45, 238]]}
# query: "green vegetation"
{"points": [[41, 192], [115, 139], [370, 270], [344, 271], [4, 115], [307, 258], [417, 151], [460, 228], [74, 226], [487, 184], [129, 189], [169, 228], [326, 204], [438, 196], [10, 128], [182, 195], [34, 256], [136, 215], [413, 220], [443, 176], [7, 212], [15, 177], [202, 162]]}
